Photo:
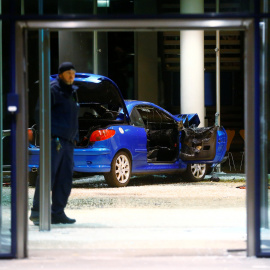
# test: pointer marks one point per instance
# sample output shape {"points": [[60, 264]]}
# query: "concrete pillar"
{"points": [[146, 66], [146, 57], [192, 64]]}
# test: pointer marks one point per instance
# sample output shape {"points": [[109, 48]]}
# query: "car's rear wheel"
{"points": [[119, 175], [195, 172]]}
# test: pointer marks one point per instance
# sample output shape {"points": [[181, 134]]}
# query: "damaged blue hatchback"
{"points": [[120, 138]]}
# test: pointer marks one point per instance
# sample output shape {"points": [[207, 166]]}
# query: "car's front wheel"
{"points": [[119, 175], [195, 172]]}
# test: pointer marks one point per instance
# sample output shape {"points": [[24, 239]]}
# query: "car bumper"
{"points": [[92, 160]]}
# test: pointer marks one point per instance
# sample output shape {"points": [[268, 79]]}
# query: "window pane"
{"points": [[135, 118]]}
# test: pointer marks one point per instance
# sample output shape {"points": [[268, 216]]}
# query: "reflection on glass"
{"points": [[5, 215], [5, 189], [103, 3], [265, 136]]}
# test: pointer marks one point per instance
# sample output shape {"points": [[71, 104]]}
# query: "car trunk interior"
{"points": [[92, 117], [100, 106]]}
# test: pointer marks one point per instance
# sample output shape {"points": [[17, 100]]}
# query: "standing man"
{"points": [[64, 131]]}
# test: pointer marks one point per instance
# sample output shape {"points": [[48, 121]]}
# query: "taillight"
{"points": [[101, 135], [30, 135]]}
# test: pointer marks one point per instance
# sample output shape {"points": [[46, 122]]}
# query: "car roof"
{"points": [[87, 77], [132, 103], [191, 118]]}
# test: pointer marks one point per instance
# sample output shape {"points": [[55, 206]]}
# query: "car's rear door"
{"points": [[138, 140]]}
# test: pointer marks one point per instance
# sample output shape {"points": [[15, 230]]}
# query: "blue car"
{"points": [[120, 138]]}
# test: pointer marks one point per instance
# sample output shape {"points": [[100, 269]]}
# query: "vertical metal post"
{"points": [[217, 69], [218, 168], [264, 128], [95, 41], [1, 121], [22, 146], [250, 140], [45, 129], [95, 51], [218, 75]]}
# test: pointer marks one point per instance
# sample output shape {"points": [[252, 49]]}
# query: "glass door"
{"points": [[134, 25]]}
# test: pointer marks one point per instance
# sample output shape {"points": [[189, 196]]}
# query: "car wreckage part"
{"points": [[206, 144]]}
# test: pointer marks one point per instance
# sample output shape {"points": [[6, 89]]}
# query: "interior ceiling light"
{"points": [[103, 3], [214, 23]]}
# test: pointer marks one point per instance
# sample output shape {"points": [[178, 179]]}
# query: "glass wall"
{"points": [[5, 163]]}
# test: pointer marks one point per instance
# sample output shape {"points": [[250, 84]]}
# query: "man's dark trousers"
{"points": [[61, 176]]}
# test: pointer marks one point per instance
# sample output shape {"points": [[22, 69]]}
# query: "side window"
{"points": [[156, 116], [146, 113], [155, 119], [136, 119], [165, 118]]}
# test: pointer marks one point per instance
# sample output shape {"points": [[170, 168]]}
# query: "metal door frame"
{"points": [[252, 90]]}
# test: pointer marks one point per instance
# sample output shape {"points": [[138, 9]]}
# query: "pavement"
{"points": [[118, 260], [145, 238]]}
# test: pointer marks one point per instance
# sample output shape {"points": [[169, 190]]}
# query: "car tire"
{"points": [[32, 176], [119, 175], [195, 172]]}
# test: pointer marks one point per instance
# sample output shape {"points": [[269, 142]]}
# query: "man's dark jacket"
{"points": [[64, 110]]}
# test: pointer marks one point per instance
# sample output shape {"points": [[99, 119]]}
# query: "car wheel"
{"points": [[195, 172], [32, 176], [119, 175]]}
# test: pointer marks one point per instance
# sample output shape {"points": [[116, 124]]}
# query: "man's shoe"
{"points": [[62, 218], [34, 217]]}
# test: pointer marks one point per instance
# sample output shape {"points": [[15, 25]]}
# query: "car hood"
{"points": [[98, 89], [189, 119]]}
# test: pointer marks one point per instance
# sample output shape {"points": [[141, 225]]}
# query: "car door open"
{"points": [[203, 145]]}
